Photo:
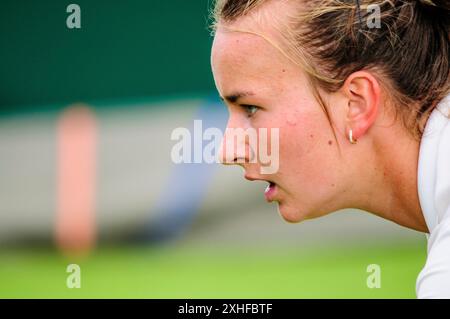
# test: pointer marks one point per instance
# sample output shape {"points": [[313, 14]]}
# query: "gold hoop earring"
{"points": [[350, 137]]}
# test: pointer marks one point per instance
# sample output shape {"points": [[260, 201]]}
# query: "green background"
{"points": [[170, 272], [124, 49]]}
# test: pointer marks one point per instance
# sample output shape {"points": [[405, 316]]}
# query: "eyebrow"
{"points": [[234, 97]]}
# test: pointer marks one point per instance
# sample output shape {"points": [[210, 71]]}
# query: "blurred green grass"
{"points": [[177, 272]]}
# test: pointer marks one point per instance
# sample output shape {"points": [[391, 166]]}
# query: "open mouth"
{"points": [[270, 191]]}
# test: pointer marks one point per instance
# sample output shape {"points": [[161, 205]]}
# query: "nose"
{"points": [[235, 148]]}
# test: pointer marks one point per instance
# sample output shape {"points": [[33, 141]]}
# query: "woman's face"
{"points": [[309, 181]]}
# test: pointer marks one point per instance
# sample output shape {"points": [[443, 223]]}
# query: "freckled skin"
{"points": [[291, 122], [308, 171]]}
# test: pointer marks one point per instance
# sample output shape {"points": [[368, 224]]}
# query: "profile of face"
{"points": [[268, 90]]}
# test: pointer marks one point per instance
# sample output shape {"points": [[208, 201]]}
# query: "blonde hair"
{"points": [[329, 40]]}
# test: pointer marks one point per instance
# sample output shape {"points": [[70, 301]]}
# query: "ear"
{"points": [[362, 92]]}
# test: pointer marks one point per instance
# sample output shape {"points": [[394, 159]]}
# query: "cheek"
{"points": [[298, 138], [307, 151], [307, 174]]}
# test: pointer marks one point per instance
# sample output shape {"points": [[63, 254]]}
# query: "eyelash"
{"points": [[247, 107]]}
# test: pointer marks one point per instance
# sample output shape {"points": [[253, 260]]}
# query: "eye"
{"points": [[249, 109]]}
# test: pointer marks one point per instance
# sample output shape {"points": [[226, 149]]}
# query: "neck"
{"points": [[391, 189]]}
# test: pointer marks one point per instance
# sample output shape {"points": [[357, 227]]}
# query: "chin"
{"points": [[291, 214]]}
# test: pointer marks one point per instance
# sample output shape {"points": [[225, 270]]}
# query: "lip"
{"points": [[271, 190]]}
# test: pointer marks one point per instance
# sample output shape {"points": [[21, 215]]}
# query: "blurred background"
{"points": [[86, 175]]}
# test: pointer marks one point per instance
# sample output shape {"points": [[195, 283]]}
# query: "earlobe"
{"points": [[363, 95]]}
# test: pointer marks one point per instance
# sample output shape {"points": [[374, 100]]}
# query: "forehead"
{"points": [[239, 46], [243, 59]]}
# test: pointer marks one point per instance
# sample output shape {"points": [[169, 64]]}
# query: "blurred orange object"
{"points": [[75, 230]]}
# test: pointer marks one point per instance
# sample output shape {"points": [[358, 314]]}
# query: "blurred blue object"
{"points": [[186, 187]]}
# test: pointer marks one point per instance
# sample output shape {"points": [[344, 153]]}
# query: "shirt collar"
{"points": [[434, 165]]}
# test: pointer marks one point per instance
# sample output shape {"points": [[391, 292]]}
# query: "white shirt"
{"points": [[434, 196]]}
